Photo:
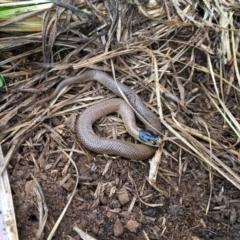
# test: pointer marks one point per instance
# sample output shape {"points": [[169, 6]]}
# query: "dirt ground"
{"points": [[113, 198]]}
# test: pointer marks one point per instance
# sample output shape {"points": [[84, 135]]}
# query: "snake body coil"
{"points": [[110, 146]]}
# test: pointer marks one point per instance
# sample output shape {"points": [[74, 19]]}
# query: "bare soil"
{"points": [[107, 205]]}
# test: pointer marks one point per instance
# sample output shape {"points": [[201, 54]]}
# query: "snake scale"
{"points": [[102, 145]]}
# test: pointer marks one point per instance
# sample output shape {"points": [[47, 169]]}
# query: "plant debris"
{"points": [[182, 58]]}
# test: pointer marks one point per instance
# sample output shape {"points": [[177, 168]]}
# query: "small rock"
{"points": [[69, 185], [110, 214], [150, 212], [29, 186], [132, 226], [118, 228], [43, 176], [123, 196], [19, 173]]}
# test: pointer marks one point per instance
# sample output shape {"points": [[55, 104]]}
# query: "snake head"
{"points": [[148, 137]]}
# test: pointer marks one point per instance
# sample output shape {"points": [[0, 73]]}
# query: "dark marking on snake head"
{"points": [[148, 136]]}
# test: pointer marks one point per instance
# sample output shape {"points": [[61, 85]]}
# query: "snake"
{"points": [[129, 100]]}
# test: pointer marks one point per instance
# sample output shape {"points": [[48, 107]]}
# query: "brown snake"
{"points": [[102, 145]]}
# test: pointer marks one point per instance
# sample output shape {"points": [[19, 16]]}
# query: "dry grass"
{"points": [[182, 56]]}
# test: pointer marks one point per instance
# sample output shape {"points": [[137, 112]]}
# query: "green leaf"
{"points": [[1, 81], [6, 13]]}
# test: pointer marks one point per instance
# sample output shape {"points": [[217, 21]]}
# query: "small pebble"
{"points": [[118, 228], [132, 226], [150, 212], [123, 196]]}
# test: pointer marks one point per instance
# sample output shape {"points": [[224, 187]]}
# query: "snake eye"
{"points": [[148, 136]]}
